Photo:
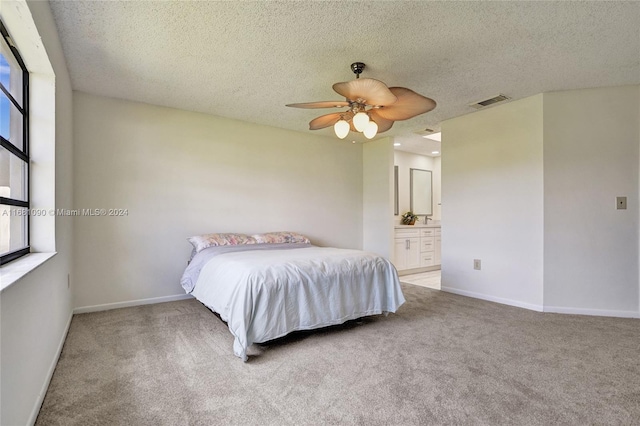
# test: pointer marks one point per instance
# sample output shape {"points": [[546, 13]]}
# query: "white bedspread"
{"points": [[266, 294]]}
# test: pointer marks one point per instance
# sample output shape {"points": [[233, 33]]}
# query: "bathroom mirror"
{"points": [[421, 195]]}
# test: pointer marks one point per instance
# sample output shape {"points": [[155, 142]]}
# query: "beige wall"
{"points": [[437, 188], [492, 203], [531, 186], [591, 141], [377, 212], [36, 310], [181, 174]]}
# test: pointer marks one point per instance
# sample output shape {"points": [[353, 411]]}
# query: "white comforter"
{"points": [[266, 294]]}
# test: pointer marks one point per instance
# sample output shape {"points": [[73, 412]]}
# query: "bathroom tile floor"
{"points": [[429, 279]]}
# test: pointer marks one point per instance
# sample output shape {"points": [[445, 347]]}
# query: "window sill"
{"points": [[14, 271]]}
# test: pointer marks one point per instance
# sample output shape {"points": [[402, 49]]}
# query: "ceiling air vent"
{"points": [[487, 102]]}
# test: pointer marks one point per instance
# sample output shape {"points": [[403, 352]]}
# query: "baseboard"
{"points": [[493, 299], [129, 303], [592, 312], [52, 368]]}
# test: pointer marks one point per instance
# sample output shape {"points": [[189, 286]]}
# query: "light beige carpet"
{"points": [[442, 359]]}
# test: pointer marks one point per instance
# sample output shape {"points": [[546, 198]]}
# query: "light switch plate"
{"points": [[477, 264], [621, 203]]}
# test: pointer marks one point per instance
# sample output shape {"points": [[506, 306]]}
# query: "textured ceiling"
{"points": [[246, 60]]}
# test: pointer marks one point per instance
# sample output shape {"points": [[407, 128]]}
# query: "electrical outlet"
{"points": [[621, 203], [477, 264]]}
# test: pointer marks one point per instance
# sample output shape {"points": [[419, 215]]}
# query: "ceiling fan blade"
{"points": [[383, 123], [328, 120], [372, 91], [322, 104], [408, 105]]}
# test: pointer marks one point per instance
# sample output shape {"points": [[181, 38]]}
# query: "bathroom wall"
{"points": [[406, 161]]}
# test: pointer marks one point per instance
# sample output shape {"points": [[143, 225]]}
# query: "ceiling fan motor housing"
{"points": [[357, 68]]}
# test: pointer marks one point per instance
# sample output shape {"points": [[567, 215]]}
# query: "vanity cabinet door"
{"points": [[406, 253], [399, 254], [413, 253]]}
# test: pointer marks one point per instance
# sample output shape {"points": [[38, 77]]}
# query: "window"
{"points": [[14, 152]]}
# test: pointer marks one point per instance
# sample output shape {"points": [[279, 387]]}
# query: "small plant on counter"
{"points": [[409, 218]]}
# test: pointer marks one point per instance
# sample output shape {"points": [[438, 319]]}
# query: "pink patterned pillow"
{"points": [[280, 238], [201, 242]]}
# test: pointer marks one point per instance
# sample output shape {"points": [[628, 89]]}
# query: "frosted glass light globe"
{"points": [[341, 128], [370, 130], [360, 121]]}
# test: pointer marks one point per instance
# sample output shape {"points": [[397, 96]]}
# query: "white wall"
{"points": [[591, 140], [493, 179], [492, 203], [406, 161], [437, 188], [180, 174], [377, 212], [35, 311]]}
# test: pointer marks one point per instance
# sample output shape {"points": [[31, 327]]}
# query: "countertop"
{"points": [[419, 225]]}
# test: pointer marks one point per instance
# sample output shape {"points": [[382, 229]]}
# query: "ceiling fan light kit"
{"points": [[360, 121], [370, 130], [341, 128], [373, 107]]}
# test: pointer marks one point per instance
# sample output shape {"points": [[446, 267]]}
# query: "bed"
{"points": [[267, 290]]}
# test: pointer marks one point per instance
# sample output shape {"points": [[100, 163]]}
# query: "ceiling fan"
{"points": [[373, 107]]}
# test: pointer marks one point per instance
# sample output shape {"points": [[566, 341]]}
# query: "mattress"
{"points": [[265, 291]]}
